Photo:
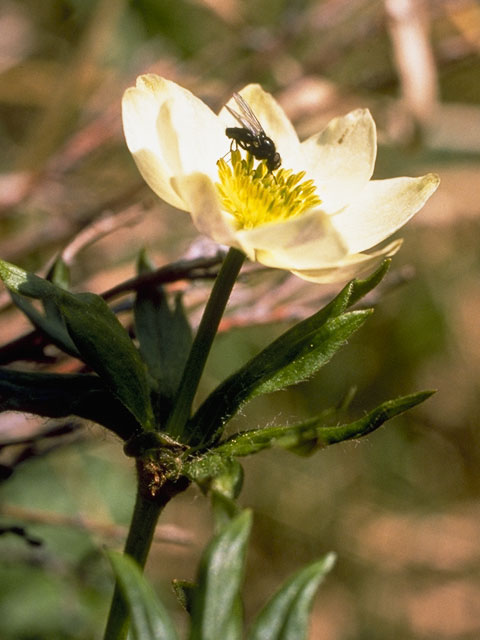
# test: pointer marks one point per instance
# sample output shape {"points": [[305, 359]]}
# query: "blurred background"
{"points": [[401, 507]]}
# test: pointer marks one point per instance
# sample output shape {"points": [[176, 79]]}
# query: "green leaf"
{"points": [[304, 357], [286, 361], [301, 438], [164, 334], [50, 325], [59, 273], [23, 282], [290, 359], [184, 590], [215, 607], [98, 336], [234, 628], [60, 395], [149, 618], [224, 509], [286, 615], [106, 347], [360, 288]]}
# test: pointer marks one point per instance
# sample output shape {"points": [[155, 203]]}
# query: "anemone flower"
{"points": [[319, 215]]}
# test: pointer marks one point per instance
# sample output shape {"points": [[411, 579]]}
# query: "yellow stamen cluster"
{"points": [[256, 196]]}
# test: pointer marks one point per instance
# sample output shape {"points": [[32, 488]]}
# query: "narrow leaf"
{"points": [[60, 395], [164, 334], [59, 273], [286, 615], [106, 347], [290, 359], [98, 336], [149, 618], [360, 288], [220, 576], [51, 325], [303, 437], [270, 369], [22, 283], [184, 590]]}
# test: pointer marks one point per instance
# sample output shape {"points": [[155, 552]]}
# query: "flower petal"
{"points": [[273, 120], [353, 266], [170, 132], [201, 196], [341, 158], [140, 106], [381, 208], [303, 242], [192, 136]]}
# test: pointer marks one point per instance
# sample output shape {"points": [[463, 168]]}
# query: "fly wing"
{"points": [[246, 117]]}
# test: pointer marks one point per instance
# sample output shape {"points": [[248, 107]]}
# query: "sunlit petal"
{"points": [[317, 215], [341, 158], [353, 266], [192, 136], [140, 107], [381, 208], [299, 243], [201, 196]]}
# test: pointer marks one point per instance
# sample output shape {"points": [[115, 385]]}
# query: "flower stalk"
{"points": [[151, 499], [202, 343], [137, 546]]}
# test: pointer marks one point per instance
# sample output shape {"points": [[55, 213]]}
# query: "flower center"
{"points": [[255, 196]]}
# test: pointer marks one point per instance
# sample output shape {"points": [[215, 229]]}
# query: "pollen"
{"points": [[254, 196]]}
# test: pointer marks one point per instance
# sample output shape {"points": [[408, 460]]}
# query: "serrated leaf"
{"points": [[290, 359], [149, 618], [60, 395], [303, 437], [164, 334], [98, 336], [220, 576], [303, 358], [264, 373], [286, 615]]}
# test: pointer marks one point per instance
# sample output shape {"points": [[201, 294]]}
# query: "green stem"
{"points": [[203, 341], [147, 510], [140, 535]]}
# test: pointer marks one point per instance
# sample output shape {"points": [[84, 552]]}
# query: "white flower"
{"points": [[339, 214]]}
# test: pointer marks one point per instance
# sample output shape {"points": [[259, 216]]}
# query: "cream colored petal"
{"points": [[303, 242], [341, 158], [200, 194], [272, 119], [353, 266], [170, 132], [140, 107], [381, 208], [192, 136]]}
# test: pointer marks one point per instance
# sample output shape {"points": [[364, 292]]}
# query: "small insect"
{"points": [[251, 136]]}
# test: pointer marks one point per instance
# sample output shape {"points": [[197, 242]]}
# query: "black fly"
{"points": [[251, 136]]}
